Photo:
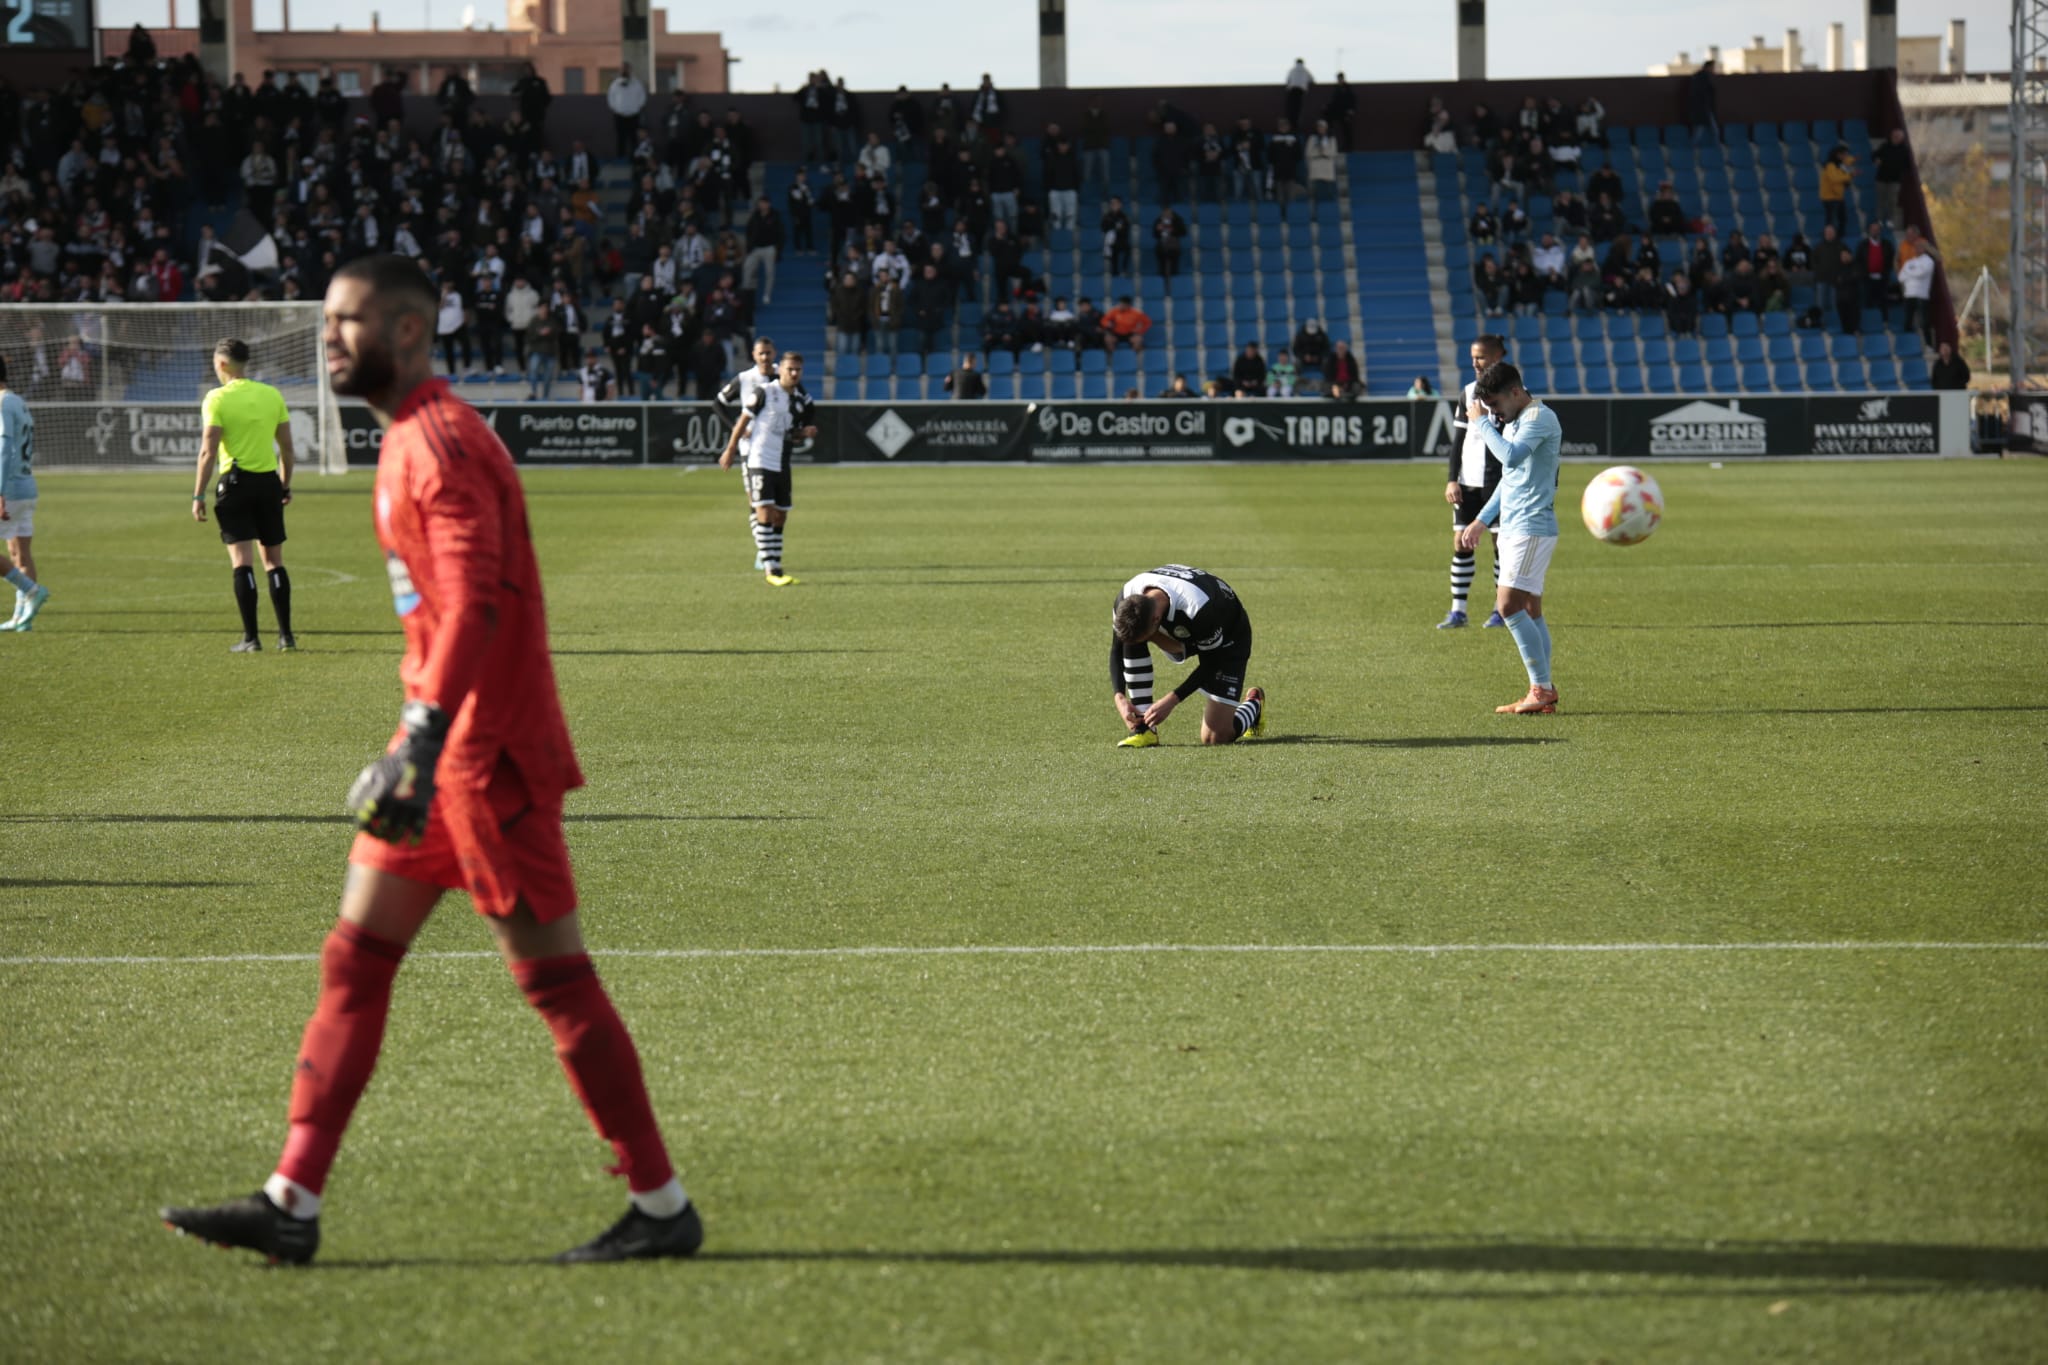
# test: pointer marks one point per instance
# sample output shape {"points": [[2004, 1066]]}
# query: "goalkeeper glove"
{"points": [[390, 799]]}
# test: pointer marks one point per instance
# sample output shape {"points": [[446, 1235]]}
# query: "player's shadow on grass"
{"points": [[55, 883], [1809, 710], [1414, 741], [1800, 625], [707, 653], [271, 818], [1733, 1268]]}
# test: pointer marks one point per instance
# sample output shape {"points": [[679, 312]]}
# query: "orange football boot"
{"points": [[1541, 701]]}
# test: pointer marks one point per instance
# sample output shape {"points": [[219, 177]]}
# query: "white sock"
{"points": [[294, 1198], [665, 1202]]}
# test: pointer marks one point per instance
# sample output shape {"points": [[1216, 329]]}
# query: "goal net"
{"points": [[118, 386]]}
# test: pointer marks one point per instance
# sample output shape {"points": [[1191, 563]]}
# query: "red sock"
{"points": [[603, 1064], [339, 1050]]}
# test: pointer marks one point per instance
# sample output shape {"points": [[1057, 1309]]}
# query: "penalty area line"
{"points": [[1091, 950]]}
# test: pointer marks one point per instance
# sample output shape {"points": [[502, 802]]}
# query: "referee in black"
{"points": [[247, 429]]}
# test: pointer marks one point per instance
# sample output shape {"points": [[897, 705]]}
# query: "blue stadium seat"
{"points": [[1749, 350], [1713, 325], [1621, 325], [1850, 374], [1820, 375], [1536, 379], [1787, 376], [845, 389], [1656, 351], [1777, 324], [1565, 379], [1845, 346], [1780, 349], [1628, 379], [1002, 387], [1686, 350], [1756, 377], [1812, 346], [1527, 329], [1692, 379], [1722, 375], [1599, 379], [1744, 325], [1060, 361], [1825, 133], [1064, 389], [1660, 379], [1031, 362], [1913, 372], [1031, 388], [1002, 362], [879, 366], [1094, 362], [1883, 375], [1720, 350], [1878, 345], [1558, 328]]}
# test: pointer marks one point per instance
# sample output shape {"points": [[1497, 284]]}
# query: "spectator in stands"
{"points": [[1116, 237], [1745, 291], [1604, 221], [1060, 166], [1337, 111], [802, 208], [1248, 371], [1211, 156], [1321, 158], [1169, 230], [1703, 100], [1060, 324], [1481, 228], [543, 339], [999, 331], [1005, 182], [1681, 305], [1913, 244], [1246, 160], [1874, 265], [1526, 288], [1346, 380], [1849, 291], [1442, 135], [1422, 388], [967, 382], [1283, 164], [1179, 389], [1297, 88], [1282, 375], [1311, 346], [620, 337], [1506, 165], [1835, 178], [1006, 262], [843, 114], [1491, 284], [1587, 284], [1916, 287], [1170, 162], [1949, 371], [1514, 224], [595, 378], [764, 247], [1667, 215], [930, 306], [625, 97], [1644, 293], [1891, 159], [1125, 324], [1549, 261], [1590, 123], [451, 326], [521, 301], [813, 105], [886, 307], [1776, 289], [1798, 260], [875, 158], [1095, 145], [991, 108], [1088, 326], [652, 364], [534, 97], [847, 311], [1568, 213]]}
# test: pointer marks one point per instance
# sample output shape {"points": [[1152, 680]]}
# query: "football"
{"points": [[1622, 505]]}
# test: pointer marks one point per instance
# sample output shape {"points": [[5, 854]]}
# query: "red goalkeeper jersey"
{"points": [[451, 517]]}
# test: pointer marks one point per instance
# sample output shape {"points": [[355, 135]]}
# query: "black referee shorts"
{"points": [[1471, 502], [249, 506]]}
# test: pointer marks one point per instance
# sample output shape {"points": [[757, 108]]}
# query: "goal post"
{"points": [[118, 385]]}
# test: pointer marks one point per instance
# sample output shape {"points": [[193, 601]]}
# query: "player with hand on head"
{"points": [[247, 428], [732, 402], [1474, 474], [1525, 437], [1184, 611], [468, 796], [18, 506], [777, 416]]}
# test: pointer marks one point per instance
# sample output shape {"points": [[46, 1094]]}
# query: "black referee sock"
{"points": [[245, 599], [280, 599]]}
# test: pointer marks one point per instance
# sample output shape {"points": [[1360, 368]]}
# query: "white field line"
{"points": [[1096, 950]]}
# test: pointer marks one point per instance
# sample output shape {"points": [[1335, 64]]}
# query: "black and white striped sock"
{"points": [[1138, 678], [1245, 716], [771, 549], [762, 533], [1462, 567]]}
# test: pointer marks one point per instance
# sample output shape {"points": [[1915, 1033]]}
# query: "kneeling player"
{"points": [[1184, 611]]}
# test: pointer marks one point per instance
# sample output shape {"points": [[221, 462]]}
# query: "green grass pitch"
{"points": [[1735, 1046]]}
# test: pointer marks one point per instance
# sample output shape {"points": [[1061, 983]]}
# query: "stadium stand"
{"points": [[96, 204]]}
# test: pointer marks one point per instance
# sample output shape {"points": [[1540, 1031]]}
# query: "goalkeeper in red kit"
{"points": [[467, 797]]}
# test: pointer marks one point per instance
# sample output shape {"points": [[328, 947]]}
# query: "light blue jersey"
{"points": [[17, 448], [1526, 501]]}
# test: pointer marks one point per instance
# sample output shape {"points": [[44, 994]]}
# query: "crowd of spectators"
{"points": [[1599, 254]]}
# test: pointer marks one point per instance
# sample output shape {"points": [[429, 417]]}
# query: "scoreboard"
{"points": [[46, 25]]}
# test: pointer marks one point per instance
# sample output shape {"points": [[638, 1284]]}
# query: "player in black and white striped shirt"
{"points": [[1474, 474], [732, 399], [1184, 611], [777, 418]]}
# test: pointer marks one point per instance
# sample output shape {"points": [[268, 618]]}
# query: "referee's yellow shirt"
{"points": [[248, 415]]}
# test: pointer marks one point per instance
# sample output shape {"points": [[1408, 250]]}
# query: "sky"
{"points": [[880, 44]]}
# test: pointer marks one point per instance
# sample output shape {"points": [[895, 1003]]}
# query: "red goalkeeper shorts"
{"points": [[503, 845]]}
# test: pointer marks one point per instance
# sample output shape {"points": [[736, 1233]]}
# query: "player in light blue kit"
{"points": [[1524, 510], [18, 504]]}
